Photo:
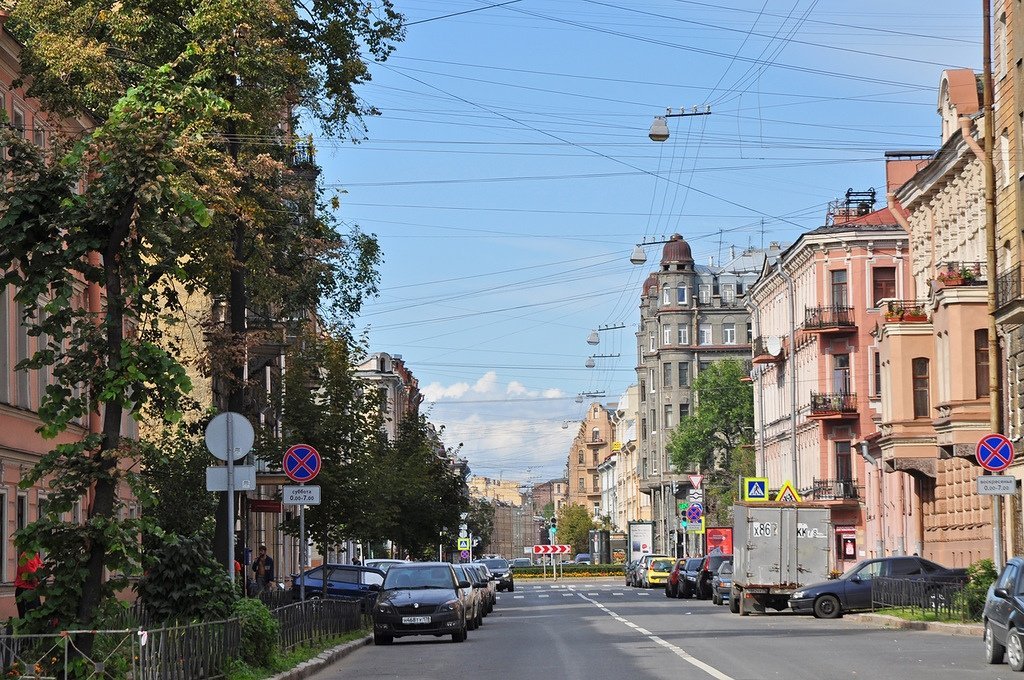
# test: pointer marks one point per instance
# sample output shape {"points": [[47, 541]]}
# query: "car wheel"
{"points": [[460, 635], [827, 607], [381, 639], [512, 587], [715, 600], [994, 652], [734, 602], [1014, 650], [479, 620]]}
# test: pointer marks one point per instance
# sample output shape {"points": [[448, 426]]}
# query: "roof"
{"points": [[676, 250], [884, 216], [962, 90]]}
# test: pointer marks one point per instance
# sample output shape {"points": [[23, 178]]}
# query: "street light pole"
{"points": [[659, 128]]}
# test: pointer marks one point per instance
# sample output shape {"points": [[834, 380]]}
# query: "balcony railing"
{"points": [[826, 318], [303, 155], [833, 404], [961, 273], [1008, 286], [834, 490], [910, 311]]}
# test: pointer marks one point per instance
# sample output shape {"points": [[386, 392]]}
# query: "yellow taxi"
{"points": [[658, 569]]}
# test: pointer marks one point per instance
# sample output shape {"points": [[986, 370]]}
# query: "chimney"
{"points": [[774, 246], [732, 252], [711, 260]]}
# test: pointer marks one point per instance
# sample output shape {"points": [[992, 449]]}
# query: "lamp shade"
{"points": [[593, 338], [638, 256], [590, 362], [659, 129]]}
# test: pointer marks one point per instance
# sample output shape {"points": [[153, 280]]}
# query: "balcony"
{"points": [[1009, 304], [906, 311], [835, 490], [838, 406], [834, 319], [953, 274], [762, 355]]}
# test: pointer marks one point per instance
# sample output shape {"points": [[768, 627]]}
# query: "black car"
{"points": [[708, 568], [852, 590], [502, 572], [688, 583], [482, 581], [420, 598], [1004, 616]]}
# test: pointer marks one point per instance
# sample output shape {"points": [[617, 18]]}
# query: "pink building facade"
{"points": [[816, 374]]}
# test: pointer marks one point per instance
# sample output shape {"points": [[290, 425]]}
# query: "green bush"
{"points": [[184, 582], [980, 576], [574, 569], [259, 632]]}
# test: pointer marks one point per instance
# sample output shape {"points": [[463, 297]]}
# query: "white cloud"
{"points": [[516, 388], [435, 391], [487, 383]]}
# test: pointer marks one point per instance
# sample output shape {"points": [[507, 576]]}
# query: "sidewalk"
{"points": [[884, 621], [322, 660]]}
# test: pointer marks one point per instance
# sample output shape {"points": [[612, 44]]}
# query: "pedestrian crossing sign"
{"points": [[788, 494], [463, 544], [755, 488]]}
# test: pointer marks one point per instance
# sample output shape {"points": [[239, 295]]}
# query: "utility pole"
{"points": [[995, 392]]}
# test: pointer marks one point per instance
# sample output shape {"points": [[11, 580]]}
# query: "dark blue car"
{"points": [[344, 581]]}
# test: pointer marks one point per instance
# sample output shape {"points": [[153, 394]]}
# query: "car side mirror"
{"points": [[493, 577], [463, 584], [375, 587], [479, 585], [1001, 592], [855, 579]]}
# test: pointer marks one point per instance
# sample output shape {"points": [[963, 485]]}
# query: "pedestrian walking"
{"points": [[263, 565], [25, 582]]}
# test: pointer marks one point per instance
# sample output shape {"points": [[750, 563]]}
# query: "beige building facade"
{"points": [[496, 490], [590, 447]]}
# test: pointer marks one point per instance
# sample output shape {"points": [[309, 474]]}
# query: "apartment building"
{"points": [[591, 445]]}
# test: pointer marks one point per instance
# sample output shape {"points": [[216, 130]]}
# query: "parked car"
{"points": [[691, 572], [382, 564], [483, 581], [582, 558], [672, 585], [721, 584], [420, 598], [640, 571], [502, 572], [852, 590], [708, 567], [521, 562], [472, 598], [630, 571], [657, 571], [1003, 616], [344, 581]]}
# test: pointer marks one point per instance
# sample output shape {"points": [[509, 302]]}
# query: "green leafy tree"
{"points": [[715, 440], [574, 526], [480, 522]]}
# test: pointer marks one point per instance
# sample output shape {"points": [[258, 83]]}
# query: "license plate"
{"points": [[415, 619]]}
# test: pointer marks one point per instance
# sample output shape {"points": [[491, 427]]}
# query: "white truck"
{"points": [[778, 548]]}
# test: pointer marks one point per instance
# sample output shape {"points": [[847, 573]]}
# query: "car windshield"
{"points": [[725, 569], [496, 565], [661, 565], [418, 577], [694, 563]]}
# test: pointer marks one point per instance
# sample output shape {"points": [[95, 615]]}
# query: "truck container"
{"points": [[778, 548]]}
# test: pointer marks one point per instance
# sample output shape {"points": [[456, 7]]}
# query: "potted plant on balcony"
{"points": [[894, 311], [958, 276], [915, 313]]}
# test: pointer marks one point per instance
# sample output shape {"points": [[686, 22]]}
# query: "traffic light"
{"points": [[554, 522]]}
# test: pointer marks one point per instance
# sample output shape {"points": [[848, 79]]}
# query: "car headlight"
{"points": [[799, 594], [449, 606], [385, 609]]}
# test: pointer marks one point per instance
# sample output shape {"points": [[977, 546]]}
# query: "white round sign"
{"points": [[230, 432]]}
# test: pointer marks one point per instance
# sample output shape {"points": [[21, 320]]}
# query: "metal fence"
{"points": [[317, 619], [943, 599]]}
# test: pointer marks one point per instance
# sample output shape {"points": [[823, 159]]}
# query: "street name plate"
{"points": [[997, 485], [301, 495], [217, 478]]}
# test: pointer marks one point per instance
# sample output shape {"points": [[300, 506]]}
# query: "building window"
{"points": [[883, 282], [684, 334], [579, 458], [643, 390], [728, 334], [666, 295], [595, 460], [684, 374], [682, 294], [919, 370], [878, 374], [651, 338], [643, 428], [18, 122], [714, 286], [668, 416], [705, 334], [582, 484], [654, 421], [666, 335], [841, 373], [981, 363], [1004, 158], [684, 411], [5, 348], [39, 137], [839, 297], [21, 520], [596, 483], [644, 467], [728, 293], [999, 47], [750, 333], [666, 375], [844, 461], [704, 291], [739, 288], [595, 435], [21, 353]]}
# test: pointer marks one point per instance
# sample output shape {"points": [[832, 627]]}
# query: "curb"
{"points": [[885, 621], [322, 660]]}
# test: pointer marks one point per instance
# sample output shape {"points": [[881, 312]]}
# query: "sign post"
{"points": [[302, 464], [229, 437], [995, 453]]}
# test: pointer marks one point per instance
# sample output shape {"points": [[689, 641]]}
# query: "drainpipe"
{"points": [[965, 131], [792, 368], [877, 462]]}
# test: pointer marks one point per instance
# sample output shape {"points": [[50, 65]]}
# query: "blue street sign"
{"points": [[301, 463], [994, 452], [755, 488]]}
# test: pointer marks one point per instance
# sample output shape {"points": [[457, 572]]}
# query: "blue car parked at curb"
{"points": [[344, 582], [721, 583]]}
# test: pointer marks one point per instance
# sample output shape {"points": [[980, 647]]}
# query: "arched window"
{"points": [[919, 371], [579, 457], [666, 295], [595, 435]]}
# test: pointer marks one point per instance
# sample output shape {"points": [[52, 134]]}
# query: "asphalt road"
{"points": [[602, 630]]}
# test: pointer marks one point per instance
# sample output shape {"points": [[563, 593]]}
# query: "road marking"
{"points": [[591, 593], [616, 593], [678, 651], [518, 597], [643, 593], [566, 594], [542, 596]]}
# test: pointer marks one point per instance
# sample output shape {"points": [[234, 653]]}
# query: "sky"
{"points": [[510, 175]]}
